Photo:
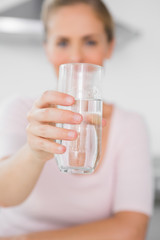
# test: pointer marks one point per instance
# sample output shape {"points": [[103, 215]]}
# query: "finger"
{"points": [[51, 132], [42, 144], [54, 98], [55, 115]]}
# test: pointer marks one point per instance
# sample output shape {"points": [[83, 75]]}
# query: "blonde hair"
{"points": [[50, 6]]}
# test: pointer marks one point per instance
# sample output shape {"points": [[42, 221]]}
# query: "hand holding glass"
{"points": [[82, 81]]}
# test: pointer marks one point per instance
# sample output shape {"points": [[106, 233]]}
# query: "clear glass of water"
{"points": [[82, 81]]}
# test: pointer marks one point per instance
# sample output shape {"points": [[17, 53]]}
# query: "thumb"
{"points": [[104, 122]]}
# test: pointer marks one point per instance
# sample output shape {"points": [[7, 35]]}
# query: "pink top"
{"points": [[122, 183]]}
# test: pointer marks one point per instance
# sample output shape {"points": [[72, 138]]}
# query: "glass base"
{"points": [[76, 170]]}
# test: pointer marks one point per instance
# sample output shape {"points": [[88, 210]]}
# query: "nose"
{"points": [[76, 54]]}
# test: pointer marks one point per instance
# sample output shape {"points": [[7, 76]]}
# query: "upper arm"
{"points": [[135, 224]]}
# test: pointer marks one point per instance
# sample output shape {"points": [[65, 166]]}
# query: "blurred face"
{"points": [[75, 34]]}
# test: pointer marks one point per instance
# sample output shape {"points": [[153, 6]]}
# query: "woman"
{"points": [[37, 200]]}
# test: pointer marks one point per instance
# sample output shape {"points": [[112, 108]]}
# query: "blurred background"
{"points": [[131, 78]]}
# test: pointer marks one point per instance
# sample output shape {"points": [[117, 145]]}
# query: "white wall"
{"points": [[24, 68], [135, 71], [132, 76]]}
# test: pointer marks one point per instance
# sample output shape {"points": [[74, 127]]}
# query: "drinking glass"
{"points": [[83, 82]]}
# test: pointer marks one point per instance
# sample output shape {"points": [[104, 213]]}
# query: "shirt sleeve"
{"points": [[13, 122], [133, 178]]}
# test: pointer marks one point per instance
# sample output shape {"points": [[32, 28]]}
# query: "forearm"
{"points": [[111, 229], [92, 231], [18, 175]]}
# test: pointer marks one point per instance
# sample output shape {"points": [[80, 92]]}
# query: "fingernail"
{"points": [[77, 118], [104, 122], [61, 148], [69, 100], [71, 134]]}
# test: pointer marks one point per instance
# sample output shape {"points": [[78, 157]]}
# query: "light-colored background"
{"points": [[132, 76]]}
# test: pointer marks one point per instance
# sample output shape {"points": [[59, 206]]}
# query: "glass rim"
{"points": [[85, 64]]}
